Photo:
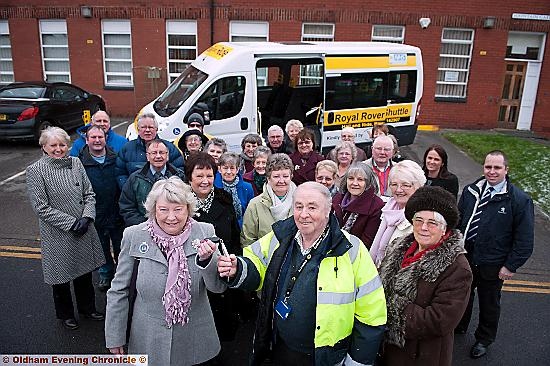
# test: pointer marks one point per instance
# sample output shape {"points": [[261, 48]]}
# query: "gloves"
{"points": [[80, 226]]}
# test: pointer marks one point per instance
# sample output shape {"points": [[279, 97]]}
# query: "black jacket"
{"points": [[506, 228], [105, 186], [222, 216]]}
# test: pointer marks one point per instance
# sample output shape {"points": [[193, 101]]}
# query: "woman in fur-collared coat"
{"points": [[427, 280]]}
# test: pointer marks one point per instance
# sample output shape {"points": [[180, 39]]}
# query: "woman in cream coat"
{"points": [[275, 202]]}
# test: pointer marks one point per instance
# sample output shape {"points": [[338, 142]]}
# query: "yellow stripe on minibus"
{"points": [[367, 62]]}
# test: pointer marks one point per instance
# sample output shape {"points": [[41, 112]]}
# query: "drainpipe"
{"points": [[212, 22]]}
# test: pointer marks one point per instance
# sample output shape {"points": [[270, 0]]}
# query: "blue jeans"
{"points": [[108, 236]]}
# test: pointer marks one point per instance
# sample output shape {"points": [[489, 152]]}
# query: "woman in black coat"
{"points": [[215, 206], [436, 170]]}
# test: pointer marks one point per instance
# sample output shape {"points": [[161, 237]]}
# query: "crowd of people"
{"points": [[360, 257]]}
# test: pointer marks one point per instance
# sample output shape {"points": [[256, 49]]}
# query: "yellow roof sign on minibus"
{"points": [[218, 51]]}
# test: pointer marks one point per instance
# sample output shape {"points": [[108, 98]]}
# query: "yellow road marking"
{"points": [[527, 283], [21, 255], [533, 290], [20, 249], [428, 128]]}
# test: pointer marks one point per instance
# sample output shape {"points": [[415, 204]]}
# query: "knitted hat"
{"points": [[193, 131], [195, 117], [429, 198]]}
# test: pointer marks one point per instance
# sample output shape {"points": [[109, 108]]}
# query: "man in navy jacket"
{"points": [[497, 220], [132, 156], [101, 119], [99, 161]]}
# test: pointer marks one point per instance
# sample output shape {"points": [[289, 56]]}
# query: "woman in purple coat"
{"points": [[357, 206], [305, 158]]}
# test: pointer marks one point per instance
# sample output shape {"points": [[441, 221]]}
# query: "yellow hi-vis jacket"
{"points": [[350, 295]]}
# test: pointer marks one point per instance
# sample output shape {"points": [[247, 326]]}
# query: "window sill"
{"points": [[450, 99], [118, 87]]}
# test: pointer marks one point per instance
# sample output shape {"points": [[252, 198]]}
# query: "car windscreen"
{"points": [[29, 92], [179, 91]]}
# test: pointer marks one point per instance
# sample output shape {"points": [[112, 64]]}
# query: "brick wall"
{"points": [[353, 21]]}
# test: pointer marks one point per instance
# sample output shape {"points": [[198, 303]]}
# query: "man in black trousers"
{"points": [[497, 220]]}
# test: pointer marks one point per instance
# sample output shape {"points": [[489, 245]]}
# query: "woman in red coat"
{"points": [[305, 158], [357, 207]]}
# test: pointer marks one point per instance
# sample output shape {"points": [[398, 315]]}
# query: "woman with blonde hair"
{"points": [[405, 178], [325, 173], [62, 197], [177, 264]]}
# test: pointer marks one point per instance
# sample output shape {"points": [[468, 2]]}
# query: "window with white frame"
{"points": [[240, 31], [6, 61], [117, 53], [454, 62], [388, 33], [55, 50], [315, 32], [181, 40]]}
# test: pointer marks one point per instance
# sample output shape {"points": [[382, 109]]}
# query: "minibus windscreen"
{"points": [[178, 92]]}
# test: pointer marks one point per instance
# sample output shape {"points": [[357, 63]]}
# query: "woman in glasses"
{"points": [[427, 280], [405, 178]]}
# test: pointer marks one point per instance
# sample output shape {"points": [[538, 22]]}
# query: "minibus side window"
{"points": [[357, 90], [402, 87], [225, 97]]}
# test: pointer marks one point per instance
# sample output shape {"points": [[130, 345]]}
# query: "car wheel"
{"points": [[39, 127]]}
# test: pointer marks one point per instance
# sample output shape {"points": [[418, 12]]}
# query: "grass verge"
{"points": [[529, 162]]}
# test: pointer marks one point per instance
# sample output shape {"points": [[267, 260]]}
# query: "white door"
{"points": [[529, 95]]}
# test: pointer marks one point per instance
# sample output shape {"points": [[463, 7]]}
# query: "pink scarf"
{"points": [[177, 292], [392, 216]]}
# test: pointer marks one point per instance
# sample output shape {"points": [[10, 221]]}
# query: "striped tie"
{"points": [[474, 225]]}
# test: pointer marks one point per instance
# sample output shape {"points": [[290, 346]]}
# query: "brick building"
{"points": [[485, 63]]}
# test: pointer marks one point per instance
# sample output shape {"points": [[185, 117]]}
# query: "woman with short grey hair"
{"points": [[357, 206], [229, 179], [257, 176], [405, 178], [275, 202], [174, 265], [63, 198]]}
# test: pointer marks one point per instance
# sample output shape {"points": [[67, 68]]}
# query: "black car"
{"points": [[27, 108]]}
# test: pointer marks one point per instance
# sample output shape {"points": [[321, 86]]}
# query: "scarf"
{"points": [[409, 257], [392, 216], [232, 188], [259, 181], [280, 209], [204, 204], [346, 201], [177, 292]]}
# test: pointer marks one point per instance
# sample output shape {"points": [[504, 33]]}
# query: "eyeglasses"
{"points": [[404, 186], [193, 139], [324, 179], [305, 142], [157, 153], [384, 149], [419, 222], [147, 128]]}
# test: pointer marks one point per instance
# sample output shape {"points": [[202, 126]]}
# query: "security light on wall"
{"points": [[86, 11], [489, 22], [424, 22]]}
